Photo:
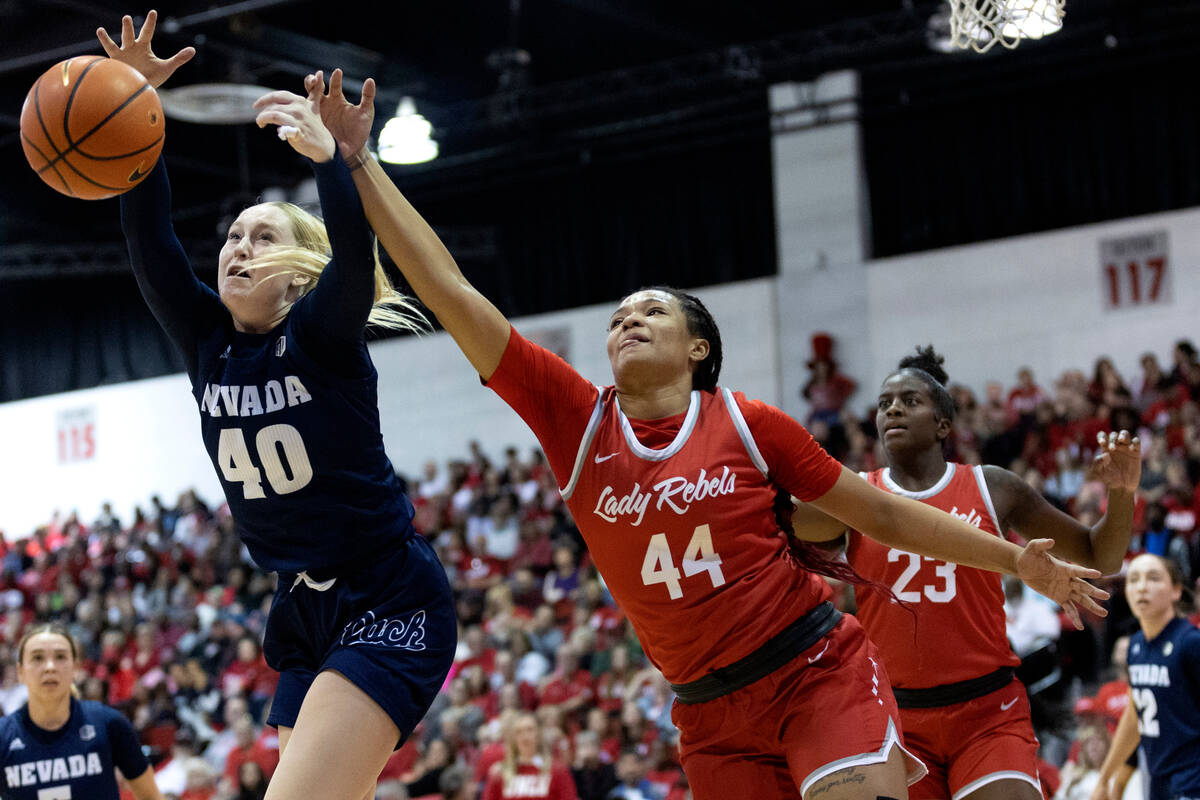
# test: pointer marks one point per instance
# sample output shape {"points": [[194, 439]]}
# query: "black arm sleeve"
{"points": [[183, 306], [331, 317], [126, 749]]}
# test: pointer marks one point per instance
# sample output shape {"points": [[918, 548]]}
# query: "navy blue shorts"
{"points": [[388, 626]]}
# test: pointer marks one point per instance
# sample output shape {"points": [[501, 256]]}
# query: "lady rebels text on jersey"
{"points": [[681, 524]]}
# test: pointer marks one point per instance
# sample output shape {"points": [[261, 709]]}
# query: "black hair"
{"points": [[927, 365], [700, 323]]}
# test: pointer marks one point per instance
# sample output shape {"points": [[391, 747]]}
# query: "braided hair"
{"points": [[927, 365]]}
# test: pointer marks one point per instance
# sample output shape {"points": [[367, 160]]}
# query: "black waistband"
{"points": [[774, 653], [950, 693]]}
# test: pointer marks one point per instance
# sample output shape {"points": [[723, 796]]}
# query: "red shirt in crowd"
{"points": [[531, 783]]}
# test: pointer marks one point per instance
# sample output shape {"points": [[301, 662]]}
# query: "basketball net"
{"points": [[981, 24]]}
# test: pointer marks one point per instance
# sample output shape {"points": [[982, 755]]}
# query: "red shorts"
{"points": [[828, 709], [970, 744]]}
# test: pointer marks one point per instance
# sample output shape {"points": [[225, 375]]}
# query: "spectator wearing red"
{"points": [[250, 747], [827, 389], [249, 674], [569, 685], [505, 675], [1024, 398], [528, 772], [476, 650]]}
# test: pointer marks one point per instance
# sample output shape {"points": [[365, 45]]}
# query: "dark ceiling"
{"points": [[617, 73]]}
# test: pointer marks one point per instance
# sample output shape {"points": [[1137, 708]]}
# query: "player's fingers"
{"points": [[127, 37], [335, 84], [182, 57], [148, 25], [110, 47], [277, 98], [1073, 614], [1082, 575], [368, 94], [1088, 604], [315, 80], [316, 87], [1089, 589], [274, 116], [1039, 545]]}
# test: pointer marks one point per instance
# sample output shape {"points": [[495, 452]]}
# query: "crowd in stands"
{"points": [[550, 694]]}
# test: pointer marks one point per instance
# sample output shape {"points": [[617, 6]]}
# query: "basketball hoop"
{"points": [[980, 24]]}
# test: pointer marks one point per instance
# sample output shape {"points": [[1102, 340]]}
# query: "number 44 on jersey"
{"points": [[659, 566]]}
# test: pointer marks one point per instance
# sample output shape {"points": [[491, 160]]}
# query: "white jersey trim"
{"points": [[585, 444], [925, 494], [1005, 775], [916, 767], [743, 430], [649, 454], [987, 498]]}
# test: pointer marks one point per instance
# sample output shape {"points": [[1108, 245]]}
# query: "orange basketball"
{"points": [[92, 127]]}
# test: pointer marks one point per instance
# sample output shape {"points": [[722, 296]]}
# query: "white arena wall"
{"points": [[1042, 300]]}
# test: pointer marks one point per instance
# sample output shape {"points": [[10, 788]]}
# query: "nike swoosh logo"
{"points": [[602, 459], [1008, 705], [818, 655], [137, 173]]}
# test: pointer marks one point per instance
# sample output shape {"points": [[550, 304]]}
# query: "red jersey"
{"points": [[953, 628], [531, 783], [677, 513]]}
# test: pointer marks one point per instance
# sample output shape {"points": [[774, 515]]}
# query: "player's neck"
{"points": [[1153, 627], [918, 471], [656, 402], [52, 715]]}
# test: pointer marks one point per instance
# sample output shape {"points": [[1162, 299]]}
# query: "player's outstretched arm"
{"points": [[913, 526], [478, 327], [1118, 464], [135, 50]]}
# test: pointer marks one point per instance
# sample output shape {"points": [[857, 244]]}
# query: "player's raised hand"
{"points": [[350, 124], [299, 121], [1118, 462], [1062, 582], [136, 50]]}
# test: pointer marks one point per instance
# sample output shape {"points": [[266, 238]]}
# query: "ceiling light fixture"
{"points": [[407, 137]]}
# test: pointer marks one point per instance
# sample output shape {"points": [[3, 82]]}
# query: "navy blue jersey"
{"points": [[74, 762], [289, 417], [1164, 679]]}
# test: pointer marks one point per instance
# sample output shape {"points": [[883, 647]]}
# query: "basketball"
{"points": [[92, 127]]}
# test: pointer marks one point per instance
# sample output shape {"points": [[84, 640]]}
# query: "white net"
{"points": [[979, 25]]}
